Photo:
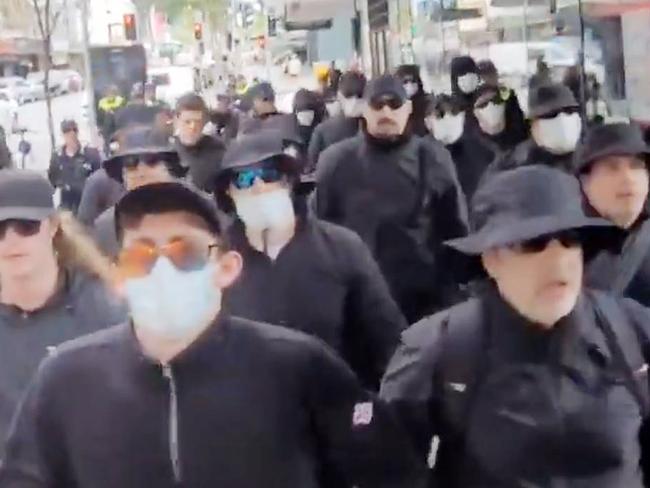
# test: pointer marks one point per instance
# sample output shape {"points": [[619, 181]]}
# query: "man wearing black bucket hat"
{"points": [[145, 157], [264, 113], [299, 271], [612, 164], [187, 395], [555, 128], [537, 381], [400, 193]]}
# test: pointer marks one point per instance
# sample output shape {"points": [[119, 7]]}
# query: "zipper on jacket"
{"points": [[174, 455]]}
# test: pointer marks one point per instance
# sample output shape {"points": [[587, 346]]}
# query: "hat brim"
{"points": [[550, 108], [486, 239], [617, 150], [26, 213], [113, 165]]}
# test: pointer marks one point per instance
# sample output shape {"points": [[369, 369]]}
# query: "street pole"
{"points": [[89, 82], [583, 74], [525, 39]]}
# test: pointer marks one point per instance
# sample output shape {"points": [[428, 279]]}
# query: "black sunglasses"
{"points": [[151, 160], [567, 110], [22, 227], [393, 103], [495, 98], [567, 239]]}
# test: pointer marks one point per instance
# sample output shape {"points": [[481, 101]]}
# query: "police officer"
{"points": [[49, 286], [145, 157], [71, 166], [414, 87], [555, 128], [299, 271], [471, 154], [137, 111], [200, 153], [400, 193], [185, 394], [537, 381], [106, 109], [612, 164], [309, 109], [344, 125]]}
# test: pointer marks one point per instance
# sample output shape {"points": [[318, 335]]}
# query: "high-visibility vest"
{"points": [[111, 104]]}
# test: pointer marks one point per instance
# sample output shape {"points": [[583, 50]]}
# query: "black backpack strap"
{"points": [[464, 342], [632, 259], [625, 343]]}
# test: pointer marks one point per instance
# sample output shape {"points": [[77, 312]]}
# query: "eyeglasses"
{"points": [[24, 228], [393, 103], [567, 239], [245, 179], [568, 111], [137, 260], [151, 160]]}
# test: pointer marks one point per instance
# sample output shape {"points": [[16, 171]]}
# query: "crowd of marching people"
{"points": [[383, 288]]}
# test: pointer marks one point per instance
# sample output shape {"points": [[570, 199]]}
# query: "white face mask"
{"points": [[333, 108], [265, 211], [491, 118], [173, 303], [305, 117], [558, 135], [447, 129], [352, 107], [411, 89], [468, 83]]}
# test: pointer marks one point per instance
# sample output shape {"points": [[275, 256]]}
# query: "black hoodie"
{"points": [[461, 66], [306, 100], [203, 160], [420, 100]]}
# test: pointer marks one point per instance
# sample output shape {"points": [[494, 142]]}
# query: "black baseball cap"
{"points": [[25, 195], [159, 198], [384, 86]]}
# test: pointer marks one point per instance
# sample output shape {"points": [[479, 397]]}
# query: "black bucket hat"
{"points": [[253, 149], [549, 98], [141, 141], [352, 84], [525, 203], [609, 140]]}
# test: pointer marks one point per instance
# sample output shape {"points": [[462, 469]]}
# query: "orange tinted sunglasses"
{"points": [[137, 260]]}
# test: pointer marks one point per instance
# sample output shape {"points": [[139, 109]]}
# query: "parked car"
{"points": [[22, 90]]}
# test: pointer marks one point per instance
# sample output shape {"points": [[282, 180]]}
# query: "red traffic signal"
{"points": [[129, 27], [198, 31]]}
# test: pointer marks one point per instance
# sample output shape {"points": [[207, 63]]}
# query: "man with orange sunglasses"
{"points": [[186, 395]]}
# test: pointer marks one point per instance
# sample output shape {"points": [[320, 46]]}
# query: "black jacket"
{"points": [[472, 156], [329, 133], [528, 153], [285, 123], [227, 124], [522, 406], [631, 263], [100, 193], [70, 173], [83, 305], [324, 283], [5, 154], [247, 405], [203, 161], [403, 201]]}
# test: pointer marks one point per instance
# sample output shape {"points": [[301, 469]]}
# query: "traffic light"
{"points": [[198, 31], [129, 27]]}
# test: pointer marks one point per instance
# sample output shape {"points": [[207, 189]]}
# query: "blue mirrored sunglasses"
{"points": [[245, 179]]}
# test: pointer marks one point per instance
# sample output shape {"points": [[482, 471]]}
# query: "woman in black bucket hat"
{"points": [[612, 164], [299, 271], [537, 381]]}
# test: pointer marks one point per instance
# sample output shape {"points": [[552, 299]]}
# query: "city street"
{"points": [[33, 116]]}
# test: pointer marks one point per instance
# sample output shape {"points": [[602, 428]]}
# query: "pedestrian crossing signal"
{"points": [[198, 31], [129, 27]]}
